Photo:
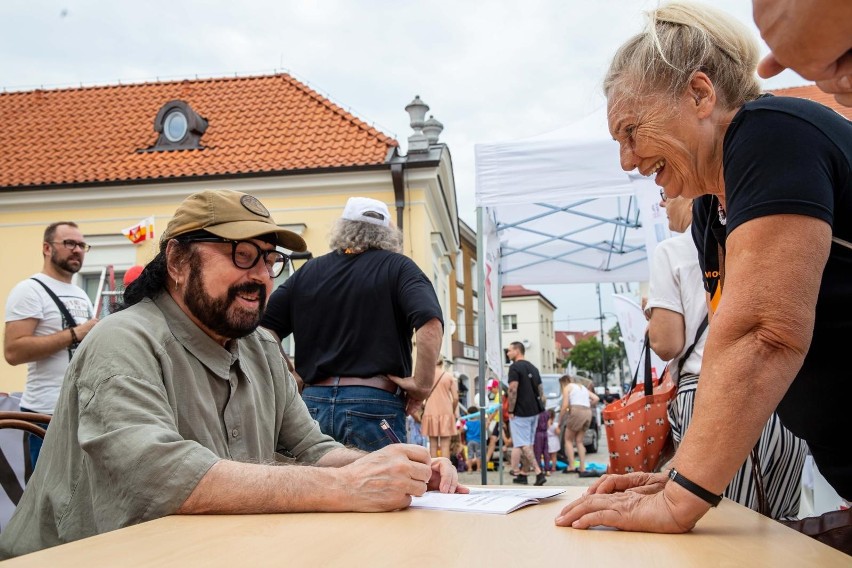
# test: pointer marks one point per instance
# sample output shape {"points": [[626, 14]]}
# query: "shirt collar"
{"points": [[212, 355]]}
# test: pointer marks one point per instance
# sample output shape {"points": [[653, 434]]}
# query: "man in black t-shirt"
{"points": [[352, 312], [525, 404]]}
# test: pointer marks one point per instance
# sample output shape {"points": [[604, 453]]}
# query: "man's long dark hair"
{"points": [[153, 278]]}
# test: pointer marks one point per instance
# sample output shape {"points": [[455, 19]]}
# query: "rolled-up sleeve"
{"points": [[140, 467]]}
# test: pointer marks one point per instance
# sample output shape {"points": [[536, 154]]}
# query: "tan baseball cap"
{"points": [[230, 215]]}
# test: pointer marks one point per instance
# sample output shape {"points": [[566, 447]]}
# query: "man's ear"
{"points": [[703, 94], [174, 262]]}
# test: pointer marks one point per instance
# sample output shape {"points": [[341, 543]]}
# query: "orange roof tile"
{"points": [[812, 92], [262, 124]]}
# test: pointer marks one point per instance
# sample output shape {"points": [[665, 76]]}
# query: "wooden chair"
{"points": [[27, 421]]}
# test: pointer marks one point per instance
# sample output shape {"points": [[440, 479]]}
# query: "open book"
{"points": [[484, 500]]}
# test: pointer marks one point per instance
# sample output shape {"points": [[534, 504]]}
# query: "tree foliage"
{"points": [[586, 354]]}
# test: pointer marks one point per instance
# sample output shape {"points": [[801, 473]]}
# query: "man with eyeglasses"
{"points": [[38, 329], [178, 404]]}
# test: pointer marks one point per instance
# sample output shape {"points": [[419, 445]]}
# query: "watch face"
{"points": [[175, 126]]}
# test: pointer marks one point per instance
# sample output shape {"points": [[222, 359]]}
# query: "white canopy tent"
{"points": [[552, 211]]}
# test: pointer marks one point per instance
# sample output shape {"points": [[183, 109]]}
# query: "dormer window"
{"points": [[179, 127]]}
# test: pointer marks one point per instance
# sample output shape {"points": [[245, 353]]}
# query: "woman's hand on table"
{"points": [[634, 502]]}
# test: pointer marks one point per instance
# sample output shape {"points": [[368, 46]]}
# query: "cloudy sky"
{"points": [[490, 71]]}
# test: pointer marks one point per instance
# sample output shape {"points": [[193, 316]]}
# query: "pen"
{"points": [[389, 432]]}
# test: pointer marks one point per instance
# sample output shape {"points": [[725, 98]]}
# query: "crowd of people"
{"points": [[183, 402]]}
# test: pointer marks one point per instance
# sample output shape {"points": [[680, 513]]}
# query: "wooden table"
{"points": [[730, 535]]}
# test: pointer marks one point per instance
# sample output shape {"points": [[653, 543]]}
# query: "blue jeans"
{"points": [[351, 415]]}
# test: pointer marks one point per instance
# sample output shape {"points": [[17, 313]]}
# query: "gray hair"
{"points": [[359, 236], [680, 39]]}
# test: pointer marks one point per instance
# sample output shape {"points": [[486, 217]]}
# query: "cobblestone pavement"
{"points": [[556, 478]]}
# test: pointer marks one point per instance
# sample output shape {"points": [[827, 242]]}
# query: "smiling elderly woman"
{"points": [[773, 178]]}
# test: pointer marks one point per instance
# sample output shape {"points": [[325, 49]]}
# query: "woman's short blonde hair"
{"points": [[680, 39]]}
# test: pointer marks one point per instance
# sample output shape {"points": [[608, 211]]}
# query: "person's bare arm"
{"points": [[666, 333], [812, 37], [513, 397], [755, 347], [418, 387], [381, 481], [21, 346]]}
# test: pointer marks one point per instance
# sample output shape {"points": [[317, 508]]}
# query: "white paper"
{"points": [[496, 501]]}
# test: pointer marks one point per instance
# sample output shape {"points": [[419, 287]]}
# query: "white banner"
{"points": [[633, 324], [651, 215], [491, 247]]}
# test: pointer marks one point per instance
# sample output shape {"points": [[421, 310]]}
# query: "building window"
{"points": [[475, 330], [460, 267], [461, 330], [510, 322], [178, 127]]}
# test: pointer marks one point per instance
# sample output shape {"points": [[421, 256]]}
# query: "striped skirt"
{"points": [[781, 455]]}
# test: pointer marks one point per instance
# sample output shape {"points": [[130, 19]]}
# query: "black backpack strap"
{"points": [[63, 309]]}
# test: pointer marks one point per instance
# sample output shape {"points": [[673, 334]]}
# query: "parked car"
{"points": [[553, 391]]}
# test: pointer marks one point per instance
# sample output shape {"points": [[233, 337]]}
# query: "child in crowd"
{"points": [[472, 432], [412, 432], [540, 449], [457, 454], [553, 441]]}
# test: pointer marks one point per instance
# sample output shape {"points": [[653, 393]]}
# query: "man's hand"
{"points": [[386, 479], [812, 37], [83, 329], [445, 478], [416, 391]]}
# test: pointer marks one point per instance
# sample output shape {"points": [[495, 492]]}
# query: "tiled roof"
{"points": [[813, 93], [516, 291], [258, 124], [568, 339]]}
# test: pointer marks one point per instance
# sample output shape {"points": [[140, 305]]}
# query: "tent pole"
{"points": [[603, 349], [480, 300]]}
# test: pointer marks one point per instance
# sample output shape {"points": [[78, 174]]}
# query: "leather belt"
{"points": [[376, 382]]}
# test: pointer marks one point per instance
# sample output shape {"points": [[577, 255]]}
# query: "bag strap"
{"points": [[648, 381], [66, 315], [841, 242], [688, 352]]}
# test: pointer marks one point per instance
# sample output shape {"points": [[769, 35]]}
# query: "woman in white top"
{"points": [[575, 417]]}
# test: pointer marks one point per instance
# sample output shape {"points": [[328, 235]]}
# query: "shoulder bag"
{"points": [[637, 425]]}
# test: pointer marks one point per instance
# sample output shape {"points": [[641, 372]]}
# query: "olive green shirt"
{"points": [[149, 404]]}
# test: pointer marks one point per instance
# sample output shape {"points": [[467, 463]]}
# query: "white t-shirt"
{"points": [[29, 300], [578, 395], [676, 285]]}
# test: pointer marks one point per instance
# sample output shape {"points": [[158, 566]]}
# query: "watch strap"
{"points": [[694, 488]]}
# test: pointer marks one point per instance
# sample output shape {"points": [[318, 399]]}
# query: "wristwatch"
{"points": [[694, 488], [74, 341]]}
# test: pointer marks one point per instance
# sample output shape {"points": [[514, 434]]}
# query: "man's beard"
{"points": [[65, 264], [221, 315]]}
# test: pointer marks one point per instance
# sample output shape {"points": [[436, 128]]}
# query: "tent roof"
{"points": [[564, 209]]}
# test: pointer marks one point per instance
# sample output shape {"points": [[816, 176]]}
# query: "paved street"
{"points": [[558, 478]]}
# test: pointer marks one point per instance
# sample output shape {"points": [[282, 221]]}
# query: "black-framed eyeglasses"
{"points": [[663, 196], [71, 244], [245, 254]]}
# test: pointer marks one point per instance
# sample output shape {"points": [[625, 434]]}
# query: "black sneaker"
{"points": [[521, 480], [540, 479]]}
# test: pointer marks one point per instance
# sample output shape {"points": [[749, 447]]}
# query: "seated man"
{"points": [[179, 405]]}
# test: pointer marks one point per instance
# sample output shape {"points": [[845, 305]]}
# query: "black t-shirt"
{"points": [[792, 156], [526, 375], [353, 315]]}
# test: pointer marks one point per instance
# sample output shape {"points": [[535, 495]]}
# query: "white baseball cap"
{"points": [[357, 207]]}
